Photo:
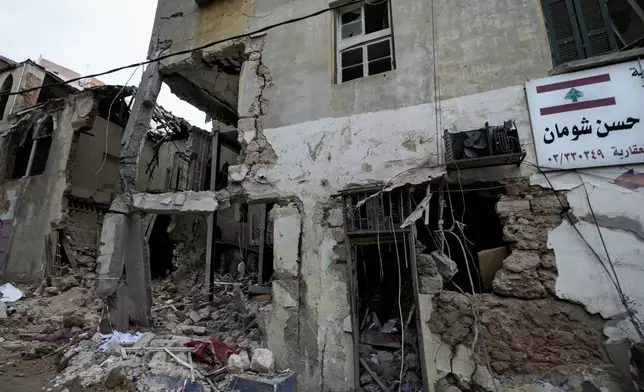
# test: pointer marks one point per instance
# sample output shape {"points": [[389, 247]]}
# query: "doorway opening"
{"points": [[161, 248], [386, 300]]}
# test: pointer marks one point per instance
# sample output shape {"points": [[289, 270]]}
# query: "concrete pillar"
{"points": [[283, 321], [137, 271], [122, 239], [111, 254], [137, 127]]}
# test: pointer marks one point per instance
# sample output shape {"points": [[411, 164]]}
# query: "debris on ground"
{"points": [[195, 344]]}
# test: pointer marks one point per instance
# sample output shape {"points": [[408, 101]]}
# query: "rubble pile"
{"points": [[183, 309], [383, 362], [195, 343], [42, 318]]}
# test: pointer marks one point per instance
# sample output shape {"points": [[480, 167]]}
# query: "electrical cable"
{"points": [[610, 262], [382, 273], [402, 320], [565, 210], [189, 51], [109, 115]]}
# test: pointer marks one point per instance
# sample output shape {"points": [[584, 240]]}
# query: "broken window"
{"points": [[6, 88], [364, 41], [33, 152], [180, 175], [466, 229], [580, 29]]}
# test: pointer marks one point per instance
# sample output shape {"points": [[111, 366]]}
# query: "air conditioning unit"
{"points": [[488, 146]]}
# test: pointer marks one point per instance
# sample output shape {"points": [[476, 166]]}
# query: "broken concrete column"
{"points": [[282, 322], [287, 230], [123, 242], [137, 127], [137, 268], [111, 257]]}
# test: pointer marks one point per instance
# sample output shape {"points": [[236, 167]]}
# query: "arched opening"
{"points": [[4, 99]]}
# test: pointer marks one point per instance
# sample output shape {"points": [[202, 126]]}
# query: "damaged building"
{"points": [[437, 195]]}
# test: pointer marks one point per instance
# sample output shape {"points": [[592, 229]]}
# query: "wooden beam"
{"points": [[373, 375], [68, 250]]}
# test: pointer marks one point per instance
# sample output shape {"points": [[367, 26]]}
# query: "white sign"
{"points": [[589, 118]]}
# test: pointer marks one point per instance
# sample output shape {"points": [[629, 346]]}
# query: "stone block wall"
{"points": [[520, 333]]}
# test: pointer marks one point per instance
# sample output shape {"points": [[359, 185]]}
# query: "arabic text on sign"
{"points": [[586, 129]]}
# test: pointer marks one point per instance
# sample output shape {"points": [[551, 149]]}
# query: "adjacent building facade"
{"points": [[409, 156]]}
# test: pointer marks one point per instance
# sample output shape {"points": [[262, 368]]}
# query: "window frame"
{"points": [[361, 41]]}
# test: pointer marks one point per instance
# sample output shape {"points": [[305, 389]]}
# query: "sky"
{"points": [[87, 36]]}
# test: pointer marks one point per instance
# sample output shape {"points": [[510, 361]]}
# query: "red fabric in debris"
{"points": [[208, 351]]}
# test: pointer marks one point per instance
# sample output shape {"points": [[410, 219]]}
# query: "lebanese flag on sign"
{"points": [[572, 91]]}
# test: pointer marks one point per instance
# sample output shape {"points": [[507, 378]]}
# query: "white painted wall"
{"points": [[318, 158], [377, 146], [620, 215]]}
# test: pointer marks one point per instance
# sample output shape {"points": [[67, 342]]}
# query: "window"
{"points": [[364, 40], [33, 152], [580, 29], [6, 88]]}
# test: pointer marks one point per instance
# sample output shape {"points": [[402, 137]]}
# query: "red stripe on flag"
{"points": [[595, 103], [573, 83]]}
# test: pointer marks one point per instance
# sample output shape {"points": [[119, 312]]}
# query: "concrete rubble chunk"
{"points": [[237, 173], [519, 261], [426, 265], [145, 340], [194, 316], [115, 378], [238, 363], [430, 284], [512, 206], [263, 361], [446, 266]]}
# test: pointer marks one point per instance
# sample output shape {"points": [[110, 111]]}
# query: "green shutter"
{"points": [[595, 26], [563, 31]]}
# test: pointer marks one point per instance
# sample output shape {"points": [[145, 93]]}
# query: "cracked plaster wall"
{"points": [[620, 216], [305, 137], [316, 159], [40, 209]]}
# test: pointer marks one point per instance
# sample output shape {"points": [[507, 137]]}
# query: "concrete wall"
{"points": [[167, 152], [479, 47], [88, 182], [40, 208], [25, 76], [620, 217], [95, 169]]}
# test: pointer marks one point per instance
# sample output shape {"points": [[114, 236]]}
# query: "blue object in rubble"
{"points": [[252, 383]]}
